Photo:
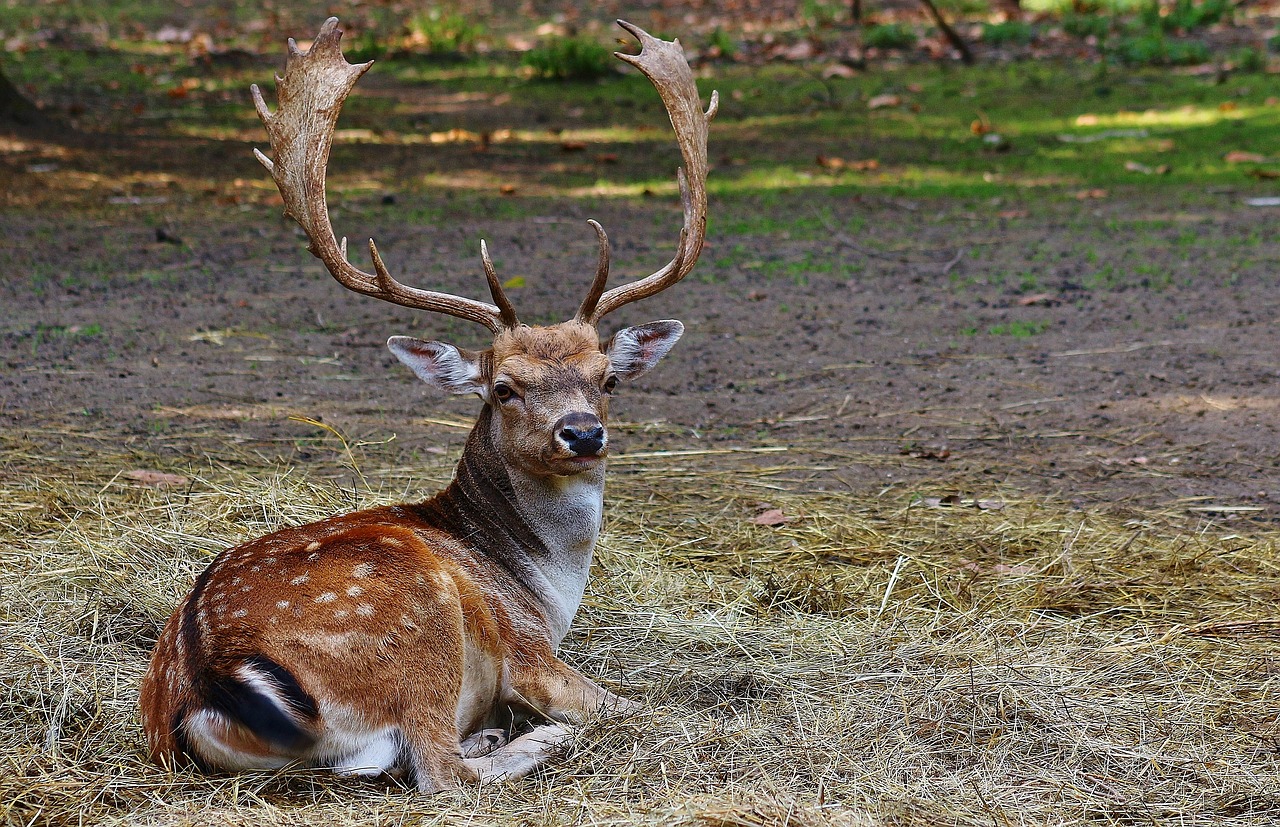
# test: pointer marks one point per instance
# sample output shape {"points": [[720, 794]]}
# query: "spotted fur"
{"points": [[381, 641]]}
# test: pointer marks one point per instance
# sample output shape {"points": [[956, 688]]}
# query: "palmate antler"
{"points": [[664, 64], [311, 93]]}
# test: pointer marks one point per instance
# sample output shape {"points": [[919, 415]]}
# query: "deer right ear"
{"points": [[440, 364]]}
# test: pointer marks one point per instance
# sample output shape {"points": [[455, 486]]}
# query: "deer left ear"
{"points": [[633, 351]]}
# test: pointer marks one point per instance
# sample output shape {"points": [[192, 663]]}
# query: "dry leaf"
{"points": [[882, 101], [1264, 174], [772, 517], [928, 451], [158, 479], [839, 70], [1228, 106], [573, 146], [830, 162], [1134, 166], [1038, 298], [1011, 214], [507, 189], [1241, 157], [1084, 195], [980, 127], [1086, 120], [865, 165]]}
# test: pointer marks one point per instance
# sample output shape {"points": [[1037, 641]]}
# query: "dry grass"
{"points": [[866, 663]]}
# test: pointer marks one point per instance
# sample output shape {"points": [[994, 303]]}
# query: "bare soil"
{"points": [[182, 314]]}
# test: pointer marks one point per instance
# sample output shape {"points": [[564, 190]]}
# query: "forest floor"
{"points": [[924, 285]]}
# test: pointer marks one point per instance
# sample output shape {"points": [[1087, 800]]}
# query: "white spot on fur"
{"points": [[312, 546], [239, 613], [282, 604], [327, 597], [354, 591], [364, 610], [300, 579], [341, 614], [362, 570]]}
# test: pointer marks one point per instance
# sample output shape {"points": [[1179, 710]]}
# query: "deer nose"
{"points": [[582, 433]]}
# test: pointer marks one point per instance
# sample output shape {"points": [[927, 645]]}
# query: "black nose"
{"points": [[582, 433]]}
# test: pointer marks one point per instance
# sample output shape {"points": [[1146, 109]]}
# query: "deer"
{"points": [[420, 640]]}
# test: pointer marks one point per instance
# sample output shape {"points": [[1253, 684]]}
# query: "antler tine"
{"points": [[507, 312], [311, 93], [602, 275], [664, 64]]}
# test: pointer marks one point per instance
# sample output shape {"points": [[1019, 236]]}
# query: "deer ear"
{"points": [[440, 364], [634, 350]]}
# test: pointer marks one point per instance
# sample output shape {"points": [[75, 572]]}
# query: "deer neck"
{"points": [[541, 529]]}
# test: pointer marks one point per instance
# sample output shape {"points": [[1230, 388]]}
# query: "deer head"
{"points": [[546, 389]]}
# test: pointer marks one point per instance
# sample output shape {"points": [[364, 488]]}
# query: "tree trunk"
{"points": [[953, 37], [15, 107]]}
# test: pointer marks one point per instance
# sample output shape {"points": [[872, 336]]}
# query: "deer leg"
{"points": [[521, 756], [480, 744], [553, 688]]}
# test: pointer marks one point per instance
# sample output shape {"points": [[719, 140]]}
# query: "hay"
{"points": [[861, 662]]}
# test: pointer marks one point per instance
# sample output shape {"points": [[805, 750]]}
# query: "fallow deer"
{"points": [[400, 639]]}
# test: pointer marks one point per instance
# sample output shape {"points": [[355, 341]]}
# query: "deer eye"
{"points": [[610, 384], [503, 392]]}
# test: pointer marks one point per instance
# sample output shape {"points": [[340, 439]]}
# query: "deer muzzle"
{"points": [[582, 434]]}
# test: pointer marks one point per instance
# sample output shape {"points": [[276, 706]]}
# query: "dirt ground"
{"points": [[1162, 400], [181, 315]]}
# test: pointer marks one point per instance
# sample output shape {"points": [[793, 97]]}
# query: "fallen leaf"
{"points": [[507, 189], [830, 162], [883, 101], [1012, 214], [1228, 106], [839, 70], [980, 127], [929, 451], [573, 146], [772, 517], [757, 296], [865, 165], [1086, 120], [515, 282], [1084, 195], [1038, 298], [1264, 174], [157, 479], [1134, 166], [607, 158], [1240, 157]]}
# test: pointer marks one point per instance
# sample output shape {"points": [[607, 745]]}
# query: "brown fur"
{"points": [[424, 619]]}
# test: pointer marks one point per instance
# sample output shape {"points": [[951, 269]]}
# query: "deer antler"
{"points": [[311, 93], [664, 64]]}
